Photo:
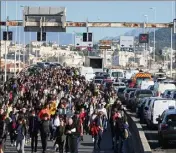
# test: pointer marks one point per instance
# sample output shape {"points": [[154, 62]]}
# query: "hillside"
{"points": [[163, 38]]}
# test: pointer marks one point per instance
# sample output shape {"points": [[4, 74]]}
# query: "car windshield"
{"points": [[172, 118], [99, 77], [139, 80], [129, 90], [144, 93], [118, 84], [117, 74], [121, 90], [98, 81]]}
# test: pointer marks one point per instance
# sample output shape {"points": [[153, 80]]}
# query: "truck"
{"points": [[97, 63]]}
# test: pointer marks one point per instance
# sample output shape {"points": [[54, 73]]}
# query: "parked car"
{"points": [[156, 108], [120, 93], [173, 95], [126, 93], [117, 85], [98, 81], [130, 98], [138, 95], [167, 127], [167, 93], [139, 105]]}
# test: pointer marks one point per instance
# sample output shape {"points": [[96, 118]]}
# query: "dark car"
{"points": [[138, 95], [126, 94], [120, 93], [167, 127]]}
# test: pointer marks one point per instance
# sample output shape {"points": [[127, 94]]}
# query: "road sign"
{"points": [[126, 41], [143, 38], [105, 42], [50, 18], [104, 47], [174, 25]]}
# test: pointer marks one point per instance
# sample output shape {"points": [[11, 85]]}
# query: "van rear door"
{"points": [[159, 106]]}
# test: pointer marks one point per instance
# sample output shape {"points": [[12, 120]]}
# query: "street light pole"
{"points": [[7, 29], [23, 39], [171, 54], [145, 31], [154, 45], [6, 51]]}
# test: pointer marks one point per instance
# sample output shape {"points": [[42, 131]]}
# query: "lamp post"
{"points": [[154, 43], [6, 47], [145, 22], [23, 40], [171, 54]]}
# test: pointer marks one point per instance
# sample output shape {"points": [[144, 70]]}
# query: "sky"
{"points": [[127, 11]]}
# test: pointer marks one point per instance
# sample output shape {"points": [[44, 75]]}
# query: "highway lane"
{"points": [[152, 137]]}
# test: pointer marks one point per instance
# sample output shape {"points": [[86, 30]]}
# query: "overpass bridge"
{"points": [[88, 24]]}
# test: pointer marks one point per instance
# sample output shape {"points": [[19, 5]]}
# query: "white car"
{"points": [[117, 85]]}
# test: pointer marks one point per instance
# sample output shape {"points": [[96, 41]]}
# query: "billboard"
{"points": [[105, 42], [126, 41], [104, 47], [174, 25]]}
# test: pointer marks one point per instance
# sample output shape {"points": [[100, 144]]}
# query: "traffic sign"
{"points": [[143, 38], [174, 25], [104, 47]]}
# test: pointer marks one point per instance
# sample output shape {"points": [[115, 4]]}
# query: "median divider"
{"points": [[137, 143]]}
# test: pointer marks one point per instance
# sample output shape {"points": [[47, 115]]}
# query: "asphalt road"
{"points": [[86, 146], [152, 137]]}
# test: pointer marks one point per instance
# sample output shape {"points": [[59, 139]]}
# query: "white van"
{"points": [[87, 72], [129, 73], [159, 88], [116, 73], [146, 84], [157, 107]]}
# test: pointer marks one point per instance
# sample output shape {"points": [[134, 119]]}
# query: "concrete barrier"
{"points": [[137, 143]]}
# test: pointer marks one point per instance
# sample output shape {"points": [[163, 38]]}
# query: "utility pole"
{"points": [[87, 29], [6, 51]]}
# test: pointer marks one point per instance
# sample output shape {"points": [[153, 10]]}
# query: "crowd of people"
{"points": [[58, 104]]}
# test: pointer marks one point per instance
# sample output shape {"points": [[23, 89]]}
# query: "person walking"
{"points": [[12, 126], [70, 131], [3, 133], [34, 130], [21, 134], [44, 131], [101, 122], [60, 137]]}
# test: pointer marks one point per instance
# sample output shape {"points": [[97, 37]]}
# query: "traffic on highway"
{"points": [[107, 90]]}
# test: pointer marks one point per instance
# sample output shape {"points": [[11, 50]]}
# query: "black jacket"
{"points": [[34, 124], [3, 129], [44, 127]]}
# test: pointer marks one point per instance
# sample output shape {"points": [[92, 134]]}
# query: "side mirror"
{"points": [[158, 119], [146, 108]]}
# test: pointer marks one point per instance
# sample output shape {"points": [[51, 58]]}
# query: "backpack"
{"points": [[126, 132]]}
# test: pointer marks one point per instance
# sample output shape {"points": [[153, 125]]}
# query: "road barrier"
{"points": [[137, 142]]}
